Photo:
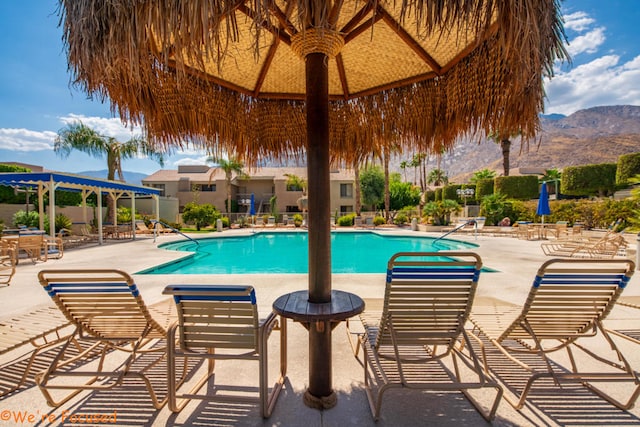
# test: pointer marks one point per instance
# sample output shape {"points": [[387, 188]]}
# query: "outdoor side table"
{"points": [[319, 319]]}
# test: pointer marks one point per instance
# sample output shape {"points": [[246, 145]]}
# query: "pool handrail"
{"points": [[458, 227], [155, 232]]}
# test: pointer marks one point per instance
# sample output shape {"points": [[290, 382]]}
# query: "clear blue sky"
{"points": [[36, 100]]}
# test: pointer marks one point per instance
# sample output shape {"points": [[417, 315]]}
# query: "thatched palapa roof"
{"points": [[230, 74]]}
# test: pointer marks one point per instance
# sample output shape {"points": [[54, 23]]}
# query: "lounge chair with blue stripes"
{"points": [[106, 308], [220, 322], [428, 298], [563, 313]]}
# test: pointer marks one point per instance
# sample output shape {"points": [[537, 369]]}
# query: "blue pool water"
{"points": [[287, 252]]}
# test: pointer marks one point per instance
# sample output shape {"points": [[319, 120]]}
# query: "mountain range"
{"points": [[590, 136], [134, 178]]}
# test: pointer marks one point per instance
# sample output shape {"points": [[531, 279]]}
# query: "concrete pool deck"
{"points": [[516, 262]]}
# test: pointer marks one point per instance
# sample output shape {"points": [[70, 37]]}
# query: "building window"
{"points": [[203, 187], [346, 190], [292, 209], [293, 187], [346, 209], [159, 187]]}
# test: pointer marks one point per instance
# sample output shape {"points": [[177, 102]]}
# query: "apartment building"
{"points": [[206, 184]]}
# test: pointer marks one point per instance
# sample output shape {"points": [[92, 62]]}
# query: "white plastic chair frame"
{"points": [[222, 317]]}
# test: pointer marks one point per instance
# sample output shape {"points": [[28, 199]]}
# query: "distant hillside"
{"points": [[594, 135], [134, 178]]}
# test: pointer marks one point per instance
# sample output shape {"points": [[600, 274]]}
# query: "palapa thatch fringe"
{"points": [[149, 59]]}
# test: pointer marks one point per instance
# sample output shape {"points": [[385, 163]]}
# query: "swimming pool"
{"points": [[287, 252]]}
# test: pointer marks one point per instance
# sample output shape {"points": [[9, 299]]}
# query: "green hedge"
{"points": [[517, 187], [7, 193], [429, 196], [484, 187], [628, 166], [589, 180]]}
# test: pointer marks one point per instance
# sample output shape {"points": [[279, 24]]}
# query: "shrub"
{"points": [[201, 215], [226, 222], [63, 222], [400, 219], [123, 215], [379, 220], [297, 220], [493, 208], [346, 220], [441, 211], [28, 219]]}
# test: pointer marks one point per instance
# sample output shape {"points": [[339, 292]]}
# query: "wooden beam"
{"points": [[357, 18], [284, 37], [285, 24], [406, 37], [343, 76], [283, 17], [362, 28]]}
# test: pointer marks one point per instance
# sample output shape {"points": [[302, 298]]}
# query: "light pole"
{"points": [[465, 193]]}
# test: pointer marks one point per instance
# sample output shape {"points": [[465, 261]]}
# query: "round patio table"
{"points": [[319, 319]]}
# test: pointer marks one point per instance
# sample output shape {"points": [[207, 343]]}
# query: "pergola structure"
{"points": [[50, 181]]}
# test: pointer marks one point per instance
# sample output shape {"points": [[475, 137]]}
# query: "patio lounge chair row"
{"points": [[607, 246], [428, 302], [105, 306], [418, 341]]}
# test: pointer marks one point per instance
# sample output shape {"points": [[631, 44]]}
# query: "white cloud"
{"points": [[589, 42], [112, 127], [602, 81], [577, 21], [26, 140], [191, 161], [593, 80]]}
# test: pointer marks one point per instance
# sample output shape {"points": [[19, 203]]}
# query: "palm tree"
{"points": [[437, 177], [77, 136], [504, 139], [360, 157], [404, 165], [228, 166], [415, 163], [552, 175], [482, 174], [389, 147]]}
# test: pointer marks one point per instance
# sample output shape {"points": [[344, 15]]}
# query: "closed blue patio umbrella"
{"points": [[252, 206], [543, 202]]}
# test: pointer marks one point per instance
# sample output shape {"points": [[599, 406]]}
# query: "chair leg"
{"points": [[177, 402], [42, 378], [268, 401]]}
